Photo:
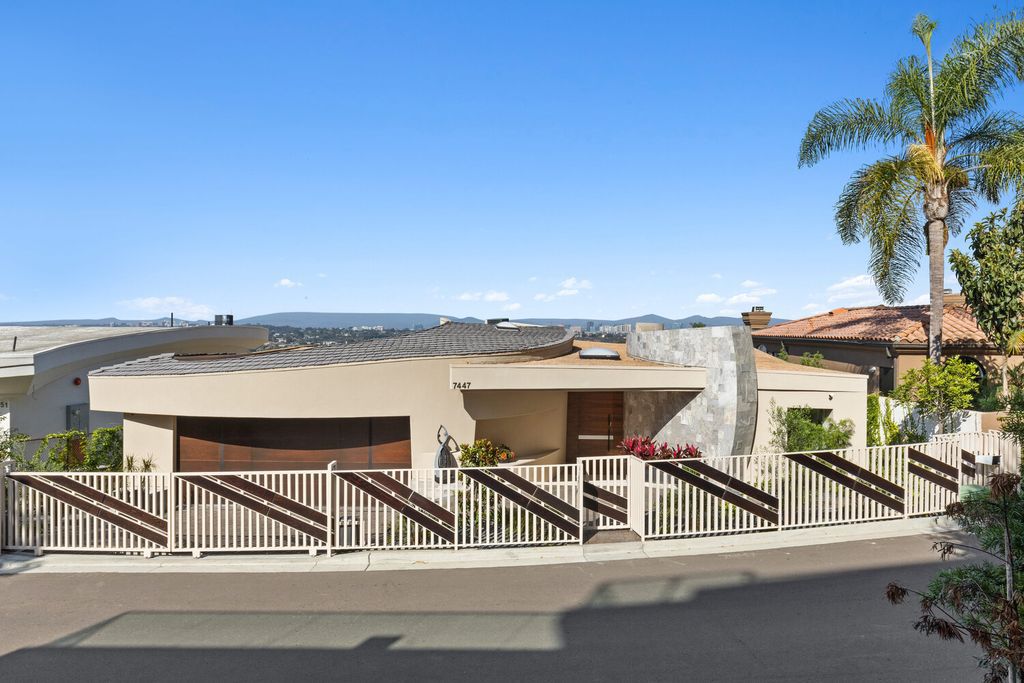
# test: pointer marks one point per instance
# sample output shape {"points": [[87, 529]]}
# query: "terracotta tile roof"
{"points": [[895, 324]]}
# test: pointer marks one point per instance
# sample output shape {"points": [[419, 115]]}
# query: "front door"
{"points": [[593, 424]]}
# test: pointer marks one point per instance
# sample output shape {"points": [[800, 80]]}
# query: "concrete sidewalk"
{"points": [[60, 563]]}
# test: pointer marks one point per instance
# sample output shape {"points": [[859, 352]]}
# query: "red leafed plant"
{"points": [[646, 448]]}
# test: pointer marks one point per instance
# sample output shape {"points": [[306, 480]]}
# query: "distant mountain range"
{"points": [[399, 321]]}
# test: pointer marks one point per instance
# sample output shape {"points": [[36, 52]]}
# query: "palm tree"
{"points": [[949, 146]]}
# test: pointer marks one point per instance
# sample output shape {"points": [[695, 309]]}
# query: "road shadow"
{"points": [[719, 627]]}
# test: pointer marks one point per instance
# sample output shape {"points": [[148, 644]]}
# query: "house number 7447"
{"points": [[461, 385]]}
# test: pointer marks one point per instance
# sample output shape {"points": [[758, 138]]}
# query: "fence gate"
{"points": [[86, 511], [605, 482]]}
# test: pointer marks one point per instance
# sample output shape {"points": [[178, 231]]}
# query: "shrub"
{"points": [[12, 445], [483, 453], [796, 429], [874, 421], [812, 360], [75, 451], [783, 354], [646, 448]]}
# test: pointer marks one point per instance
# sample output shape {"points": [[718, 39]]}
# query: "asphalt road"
{"points": [[815, 613]]}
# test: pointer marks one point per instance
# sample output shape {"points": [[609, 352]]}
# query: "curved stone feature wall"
{"points": [[720, 420]]}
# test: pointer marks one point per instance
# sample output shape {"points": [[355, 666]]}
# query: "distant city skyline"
{"points": [[536, 161]]}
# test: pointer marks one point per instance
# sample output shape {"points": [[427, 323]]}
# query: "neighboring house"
{"points": [[882, 342], [380, 403], [44, 371]]}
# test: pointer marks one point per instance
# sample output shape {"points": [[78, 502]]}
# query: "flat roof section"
{"points": [[32, 339], [569, 372]]}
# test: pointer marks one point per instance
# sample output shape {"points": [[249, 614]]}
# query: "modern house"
{"points": [[380, 403], [44, 371], [882, 342]]}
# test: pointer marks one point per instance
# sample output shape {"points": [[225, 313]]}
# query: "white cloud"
{"points": [[728, 311], [709, 298], [285, 282], [165, 305], [743, 298], [532, 278], [513, 306], [716, 276], [543, 297], [811, 307], [855, 282], [321, 274], [921, 300], [469, 296], [747, 284], [858, 290], [567, 292], [496, 296], [574, 285]]}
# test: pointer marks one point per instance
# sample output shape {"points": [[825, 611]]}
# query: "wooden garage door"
{"points": [[593, 424], [240, 444]]}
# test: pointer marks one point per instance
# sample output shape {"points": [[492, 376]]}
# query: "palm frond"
{"points": [[982, 133], [881, 204], [852, 124], [1000, 168], [962, 203], [907, 90], [976, 69]]}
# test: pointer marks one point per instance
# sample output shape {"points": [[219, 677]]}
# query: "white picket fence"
{"points": [[334, 510]]}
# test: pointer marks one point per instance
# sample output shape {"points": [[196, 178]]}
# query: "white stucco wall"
{"points": [[843, 395]]}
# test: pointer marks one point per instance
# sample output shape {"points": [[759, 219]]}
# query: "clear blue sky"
{"points": [[533, 158]]}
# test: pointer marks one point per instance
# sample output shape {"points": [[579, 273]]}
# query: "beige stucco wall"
{"points": [[420, 389], [150, 437], [844, 395]]}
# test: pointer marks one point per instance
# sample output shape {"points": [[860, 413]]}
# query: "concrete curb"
{"points": [[74, 563]]}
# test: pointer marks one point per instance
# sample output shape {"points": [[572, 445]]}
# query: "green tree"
{"points": [[991, 279], [697, 324], [947, 147], [980, 600], [938, 390]]}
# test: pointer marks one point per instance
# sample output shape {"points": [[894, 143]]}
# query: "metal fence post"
{"points": [[5, 467], [172, 510], [332, 509], [777, 489], [579, 496], [635, 496], [902, 450], [456, 499]]}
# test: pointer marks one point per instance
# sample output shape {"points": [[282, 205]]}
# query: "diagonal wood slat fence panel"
{"points": [[491, 507]]}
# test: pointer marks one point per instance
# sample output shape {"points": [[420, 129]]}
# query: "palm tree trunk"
{"points": [[936, 289], [936, 208]]}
